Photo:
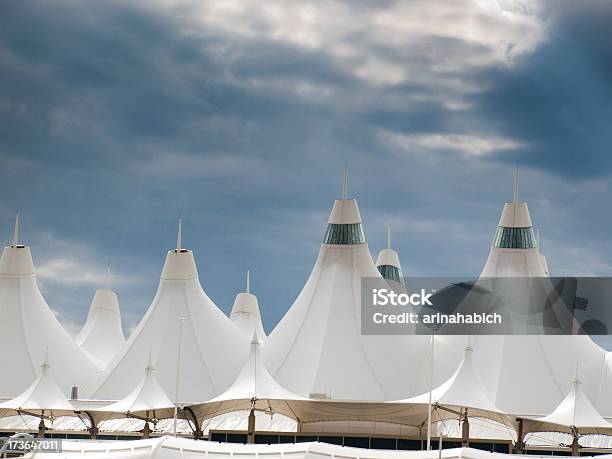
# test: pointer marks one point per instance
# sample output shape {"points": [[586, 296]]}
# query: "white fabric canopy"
{"points": [[527, 374], [146, 401], [575, 414], [42, 398], [463, 389], [254, 387], [212, 348], [318, 348], [28, 328], [102, 335], [462, 394]]}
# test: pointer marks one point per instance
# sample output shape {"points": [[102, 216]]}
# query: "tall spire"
{"points": [[179, 238], [16, 233], [389, 236], [248, 281], [109, 278], [538, 238], [345, 183], [516, 185]]}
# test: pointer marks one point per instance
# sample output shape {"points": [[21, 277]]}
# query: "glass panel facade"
{"points": [[514, 238], [390, 273], [350, 233]]}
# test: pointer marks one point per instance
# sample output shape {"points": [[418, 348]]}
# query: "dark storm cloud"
{"points": [[115, 119], [559, 100]]}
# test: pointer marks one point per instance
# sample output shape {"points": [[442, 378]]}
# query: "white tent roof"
{"points": [[28, 327], [43, 396], [255, 385], [212, 348], [148, 400], [245, 312], [575, 411], [255, 381], [102, 335], [463, 389], [256, 388], [317, 348], [536, 367]]}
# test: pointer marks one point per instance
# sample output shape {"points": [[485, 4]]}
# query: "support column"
{"points": [[41, 428], [519, 446], [146, 431], [93, 432], [575, 444], [197, 430], [251, 427], [465, 430]]}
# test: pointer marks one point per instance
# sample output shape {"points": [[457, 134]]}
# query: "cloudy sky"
{"points": [[117, 117]]}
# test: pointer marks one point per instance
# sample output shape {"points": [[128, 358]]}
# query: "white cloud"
{"points": [[73, 264], [71, 271], [468, 144], [404, 42]]}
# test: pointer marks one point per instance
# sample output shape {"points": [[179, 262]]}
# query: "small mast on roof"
{"points": [[344, 226], [179, 237], [16, 244], [109, 278], [388, 263]]}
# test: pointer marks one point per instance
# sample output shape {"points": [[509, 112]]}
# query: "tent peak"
{"points": [[109, 278], [16, 232], [345, 183], [515, 200], [179, 237]]}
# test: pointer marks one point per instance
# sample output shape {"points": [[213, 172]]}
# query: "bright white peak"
{"points": [[179, 265], [102, 335], [245, 313], [16, 261], [515, 215], [345, 211], [388, 257], [212, 348], [28, 327]]}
